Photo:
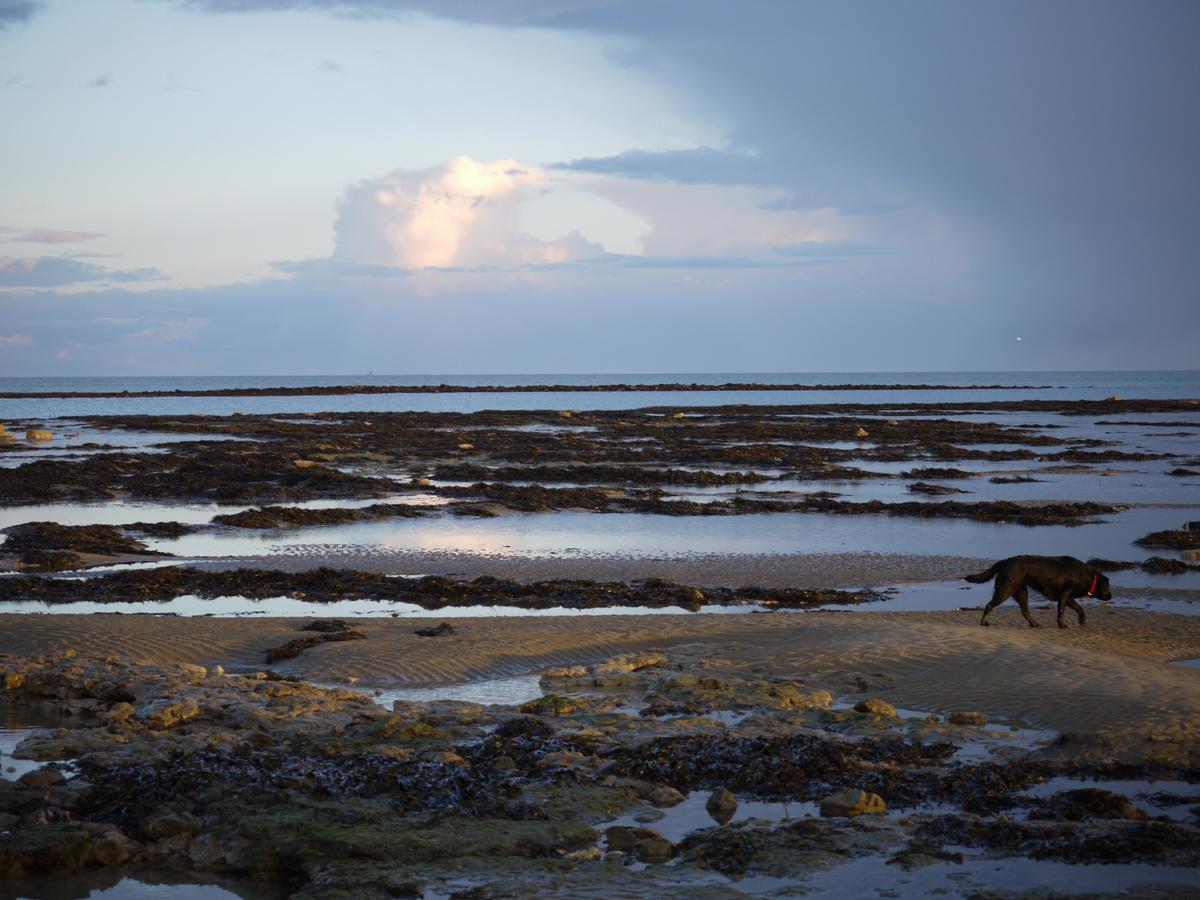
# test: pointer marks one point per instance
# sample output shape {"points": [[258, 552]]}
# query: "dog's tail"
{"points": [[981, 577]]}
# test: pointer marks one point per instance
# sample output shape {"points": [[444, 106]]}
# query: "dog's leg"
{"points": [[1022, 596], [1074, 604], [999, 595]]}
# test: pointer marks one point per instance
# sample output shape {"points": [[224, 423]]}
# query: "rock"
{"points": [[862, 432], [35, 434], [643, 844], [721, 805], [853, 803], [1089, 803], [193, 674], [305, 463], [551, 705], [169, 824], [111, 848], [1113, 399], [567, 672], [42, 778], [466, 446], [876, 706], [664, 796], [398, 886], [565, 414], [437, 631], [166, 713], [13, 680], [631, 662], [121, 712], [967, 718], [206, 852], [588, 855]]}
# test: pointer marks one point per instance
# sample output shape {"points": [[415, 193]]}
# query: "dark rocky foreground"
{"points": [[268, 778]]}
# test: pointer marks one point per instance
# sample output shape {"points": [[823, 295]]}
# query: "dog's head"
{"points": [[1103, 592]]}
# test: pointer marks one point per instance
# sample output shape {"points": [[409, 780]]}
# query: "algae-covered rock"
{"points": [[876, 707], [967, 718], [852, 803], [721, 805]]}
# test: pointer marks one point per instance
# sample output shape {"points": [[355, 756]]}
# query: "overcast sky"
{"points": [[490, 186]]}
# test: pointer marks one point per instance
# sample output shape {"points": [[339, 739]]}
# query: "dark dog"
{"points": [[1058, 578]]}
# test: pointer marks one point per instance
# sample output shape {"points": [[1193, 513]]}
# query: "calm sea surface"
{"points": [[1059, 385]]}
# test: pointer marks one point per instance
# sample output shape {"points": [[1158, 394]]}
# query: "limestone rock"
{"points": [[631, 662], [853, 803], [1089, 803], [166, 713], [721, 805], [967, 718], [643, 844], [111, 848], [41, 778], [862, 432], [36, 434], [876, 706]]}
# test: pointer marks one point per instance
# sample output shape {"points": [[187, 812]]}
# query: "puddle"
{"points": [[1173, 799], [947, 596], [229, 607], [686, 817], [868, 876], [1187, 663], [493, 692], [117, 884], [19, 723], [643, 534], [976, 744]]}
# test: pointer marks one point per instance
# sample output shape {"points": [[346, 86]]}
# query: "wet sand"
{"points": [[788, 570], [1114, 676]]}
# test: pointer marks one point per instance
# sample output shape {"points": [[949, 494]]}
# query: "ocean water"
{"points": [[1049, 385]]}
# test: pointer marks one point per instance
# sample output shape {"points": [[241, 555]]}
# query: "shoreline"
{"points": [[1116, 675]]}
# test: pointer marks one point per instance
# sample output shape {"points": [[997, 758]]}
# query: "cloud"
{"points": [[184, 328], [330, 67], [59, 271], [702, 165], [462, 215], [49, 236], [488, 12], [15, 340], [17, 12], [99, 81]]}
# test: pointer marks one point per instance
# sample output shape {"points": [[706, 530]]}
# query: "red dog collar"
{"points": [[1092, 590]]}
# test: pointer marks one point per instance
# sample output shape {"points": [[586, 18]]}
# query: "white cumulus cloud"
{"points": [[463, 214]]}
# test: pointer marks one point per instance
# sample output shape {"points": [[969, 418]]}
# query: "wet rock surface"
{"points": [[430, 592], [613, 461], [49, 546], [269, 777]]}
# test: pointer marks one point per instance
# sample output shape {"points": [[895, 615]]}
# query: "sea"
{"points": [[967, 386]]}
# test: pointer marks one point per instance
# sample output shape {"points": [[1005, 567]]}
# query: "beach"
{"points": [[310, 589]]}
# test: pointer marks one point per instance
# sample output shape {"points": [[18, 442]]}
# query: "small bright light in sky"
{"points": [[585, 185]]}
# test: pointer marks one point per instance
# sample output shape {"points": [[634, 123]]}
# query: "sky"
{"points": [[225, 187]]}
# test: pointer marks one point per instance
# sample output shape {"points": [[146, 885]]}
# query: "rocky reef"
{"points": [[644, 774]]}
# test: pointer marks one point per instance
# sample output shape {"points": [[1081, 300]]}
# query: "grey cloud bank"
{"points": [[57, 271], [14, 12]]}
